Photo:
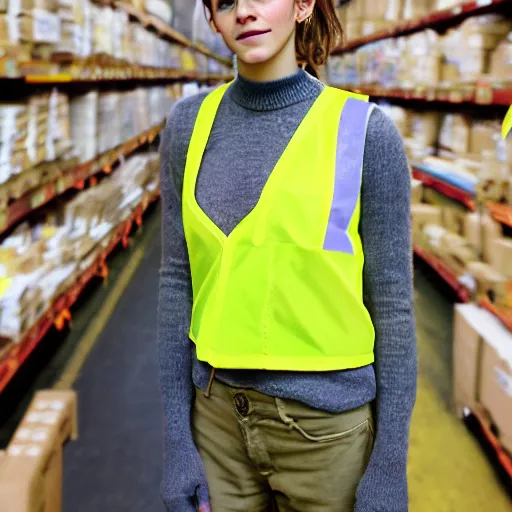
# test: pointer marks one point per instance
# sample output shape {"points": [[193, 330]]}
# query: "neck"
{"points": [[283, 64]]}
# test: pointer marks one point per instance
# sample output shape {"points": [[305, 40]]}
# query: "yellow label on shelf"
{"points": [[507, 123]]}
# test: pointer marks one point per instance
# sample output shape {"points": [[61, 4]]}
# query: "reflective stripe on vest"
{"points": [[283, 291]]}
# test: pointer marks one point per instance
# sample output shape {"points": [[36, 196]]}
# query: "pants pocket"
{"points": [[320, 426]]}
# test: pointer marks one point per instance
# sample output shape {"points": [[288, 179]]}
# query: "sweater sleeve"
{"points": [[184, 481], [388, 294]]}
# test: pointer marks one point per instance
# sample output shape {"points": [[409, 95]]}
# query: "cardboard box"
{"points": [[481, 232], [496, 380], [416, 8], [500, 256], [467, 351], [501, 59], [452, 219], [489, 281], [22, 485], [416, 191], [55, 409], [31, 470], [454, 136], [423, 214], [353, 30]]}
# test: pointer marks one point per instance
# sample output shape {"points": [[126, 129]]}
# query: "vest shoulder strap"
{"points": [[200, 135]]}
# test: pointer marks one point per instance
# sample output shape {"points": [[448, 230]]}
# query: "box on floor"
{"points": [[31, 469], [482, 373]]}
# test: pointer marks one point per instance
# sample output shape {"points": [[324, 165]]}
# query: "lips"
{"points": [[251, 33]]}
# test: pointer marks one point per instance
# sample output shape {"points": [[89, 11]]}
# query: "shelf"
{"points": [[49, 72], [164, 30], [501, 213], [485, 423], [481, 93], [119, 73], [445, 273], [444, 187], [58, 313], [434, 20], [72, 179]]}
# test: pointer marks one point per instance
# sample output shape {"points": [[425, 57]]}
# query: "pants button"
{"points": [[241, 404]]}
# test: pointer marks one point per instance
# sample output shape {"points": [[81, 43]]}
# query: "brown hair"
{"points": [[316, 37]]}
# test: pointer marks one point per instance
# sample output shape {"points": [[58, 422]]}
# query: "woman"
{"points": [[286, 325]]}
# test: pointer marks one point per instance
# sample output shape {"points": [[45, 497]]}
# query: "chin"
{"points": [[256, 56]]}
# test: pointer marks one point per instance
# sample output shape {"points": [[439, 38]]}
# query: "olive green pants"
{"points": [[262, 453]]}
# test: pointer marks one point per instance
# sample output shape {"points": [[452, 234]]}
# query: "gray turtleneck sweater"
{"points": [[253, 126]]}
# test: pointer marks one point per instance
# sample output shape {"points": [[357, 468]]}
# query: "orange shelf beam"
{"points": [[445, 273], [501, 213]]}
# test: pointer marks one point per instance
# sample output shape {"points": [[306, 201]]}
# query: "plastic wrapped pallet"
{"points": [[84, 125], [501, 59], [109, 121], [159, 8], [102, 36], [421, 59], [416, 8], [455, 135], [142, 122], [389, 10], [13, 135], [440, 5], [424, 132]]}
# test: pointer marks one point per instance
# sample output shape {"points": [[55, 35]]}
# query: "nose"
{"points": [[244, 11]]}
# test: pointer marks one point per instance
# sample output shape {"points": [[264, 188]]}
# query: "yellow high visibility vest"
{"points": [[284, 291]]}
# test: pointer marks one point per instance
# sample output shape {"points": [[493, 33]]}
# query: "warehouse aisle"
{"points": [[115, 465]]}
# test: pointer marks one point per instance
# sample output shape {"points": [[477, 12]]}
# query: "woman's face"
{"points": [[257, 30]]}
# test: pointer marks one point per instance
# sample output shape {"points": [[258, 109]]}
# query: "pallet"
{"points": [[491, 434]]}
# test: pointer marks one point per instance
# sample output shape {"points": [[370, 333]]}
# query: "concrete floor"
{"points": [[116, 462]]}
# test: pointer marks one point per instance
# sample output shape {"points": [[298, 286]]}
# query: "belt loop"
{"points": [[208, 391]]}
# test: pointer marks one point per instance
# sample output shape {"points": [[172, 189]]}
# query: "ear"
{"points": [[305, 9]]}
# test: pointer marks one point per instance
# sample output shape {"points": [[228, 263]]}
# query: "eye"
{"points": [[225, 5]]}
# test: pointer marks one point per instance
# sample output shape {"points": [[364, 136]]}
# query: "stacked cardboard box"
{"points": [[31, 468], [417, 8], [482, 355], [474, 49]]}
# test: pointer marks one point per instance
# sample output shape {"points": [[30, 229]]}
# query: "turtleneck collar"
{"points": [[276, 94]]}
